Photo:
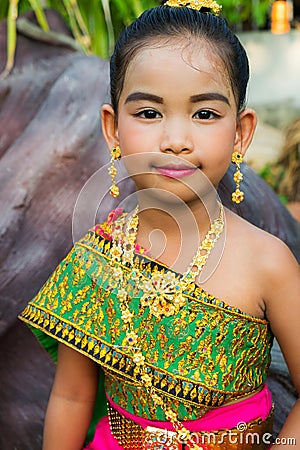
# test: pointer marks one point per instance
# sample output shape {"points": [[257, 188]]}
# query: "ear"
{"points": [[109, 126], [246, 125]]}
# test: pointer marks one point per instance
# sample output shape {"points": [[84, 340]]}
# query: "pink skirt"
{"points": [[226, 417]]}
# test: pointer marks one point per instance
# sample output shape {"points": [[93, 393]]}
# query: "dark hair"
{"points": [[168, 22]]}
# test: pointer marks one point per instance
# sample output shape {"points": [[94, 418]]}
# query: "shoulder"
{"points": [[258, 240], [270, 257]]}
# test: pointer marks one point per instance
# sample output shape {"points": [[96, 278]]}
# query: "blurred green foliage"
{"points": [[96, 23], [254, 12], [274, 174]]}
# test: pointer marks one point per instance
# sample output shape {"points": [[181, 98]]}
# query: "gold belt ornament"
{"points": [[254, 435], [131, 436]]}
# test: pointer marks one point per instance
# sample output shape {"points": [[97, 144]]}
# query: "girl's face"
{"points": [[178, 110]]}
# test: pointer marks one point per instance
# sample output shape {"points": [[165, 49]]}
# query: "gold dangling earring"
{"points": [[115, 155], [237, 196]]}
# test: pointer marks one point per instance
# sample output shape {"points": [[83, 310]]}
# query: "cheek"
{"points": [[132, 139], [224, 140], [217, 156]]}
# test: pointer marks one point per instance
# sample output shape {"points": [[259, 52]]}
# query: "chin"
{"points": [[164, 198]]}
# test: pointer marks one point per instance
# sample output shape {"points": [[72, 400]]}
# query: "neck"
{"points": [[172, 232], [158, 214]]}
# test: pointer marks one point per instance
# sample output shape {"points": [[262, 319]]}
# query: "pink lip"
{"points": [[179, 171]]}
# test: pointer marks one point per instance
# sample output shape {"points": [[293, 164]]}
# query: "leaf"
{"points": [[40, 15], [3, 9], [11, 37], [109, 25]]}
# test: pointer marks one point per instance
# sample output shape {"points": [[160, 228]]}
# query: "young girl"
{"points": [[165, 311]]}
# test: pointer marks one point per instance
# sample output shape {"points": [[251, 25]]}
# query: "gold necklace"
{"points": [[162, 293]]}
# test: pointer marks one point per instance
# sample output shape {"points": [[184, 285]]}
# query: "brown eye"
{"points": [[205, 114], [149, 114]]}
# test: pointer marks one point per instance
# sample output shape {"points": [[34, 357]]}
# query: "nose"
{"points": [[176, 137]]}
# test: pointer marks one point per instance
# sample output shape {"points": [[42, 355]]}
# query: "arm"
{"points": [[71, 401], [282, 300]]}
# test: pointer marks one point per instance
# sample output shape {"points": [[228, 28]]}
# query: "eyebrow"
{"points": [[135, 96], [209, 96]]}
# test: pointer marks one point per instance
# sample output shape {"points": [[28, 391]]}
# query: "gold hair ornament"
{"points": [[195, 4]]}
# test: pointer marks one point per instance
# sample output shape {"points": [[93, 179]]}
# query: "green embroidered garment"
{"points": [[207, 354]]}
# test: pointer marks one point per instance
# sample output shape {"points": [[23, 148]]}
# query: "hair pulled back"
{"points": [[167, 22]]}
